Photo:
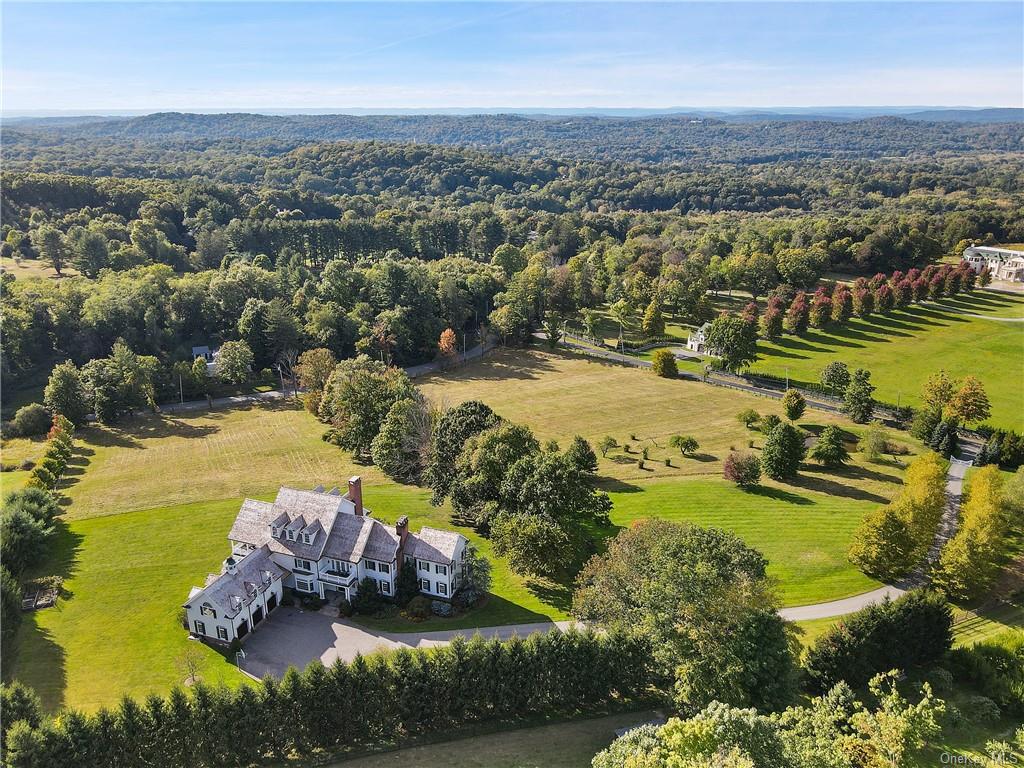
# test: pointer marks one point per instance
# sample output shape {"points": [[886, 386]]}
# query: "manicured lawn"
{"points": [[562, 745], [560, 394], [116, 630], [902, 349], [803, 534]]}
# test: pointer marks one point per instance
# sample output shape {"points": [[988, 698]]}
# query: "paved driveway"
{"points": [[291, 637]]}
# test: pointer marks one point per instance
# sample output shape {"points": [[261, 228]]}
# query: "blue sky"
{"points": [[234, 55]]}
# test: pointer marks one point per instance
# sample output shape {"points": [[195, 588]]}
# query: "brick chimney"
{"points": [[355, 493]]}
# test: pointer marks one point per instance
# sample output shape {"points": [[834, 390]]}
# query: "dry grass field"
{"points": [[161, 460]]}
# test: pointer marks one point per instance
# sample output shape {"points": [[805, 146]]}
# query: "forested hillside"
{"points": [[375, 234]]}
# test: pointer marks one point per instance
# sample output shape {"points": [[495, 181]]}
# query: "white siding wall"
{"points": [[230, 625]]}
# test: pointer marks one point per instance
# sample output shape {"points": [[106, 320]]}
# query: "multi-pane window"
{"points": [[222, 633], [384, 568], [303, 565], [385, 587], [425, 585], [442, 588], [207, 610], [303, 586], [424, 566], [200, 628], [441, 569]]}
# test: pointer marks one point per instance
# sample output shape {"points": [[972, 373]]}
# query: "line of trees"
{"points": [[892, 539], [971, 560], [370, 702]]}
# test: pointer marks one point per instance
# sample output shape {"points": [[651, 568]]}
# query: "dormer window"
{"points": [[291, 535], [306, 538], [275, 531]]}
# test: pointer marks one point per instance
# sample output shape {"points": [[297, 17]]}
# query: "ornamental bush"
{"points": [[742, 469], [663, 363]]}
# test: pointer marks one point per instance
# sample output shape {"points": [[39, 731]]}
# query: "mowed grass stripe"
{"points": [[804, 536], [902, 349]]}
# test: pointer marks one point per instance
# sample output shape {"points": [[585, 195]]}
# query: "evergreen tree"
{"points": [[783, 451], [794, 404], [858, 403], [829, 448], [653, 322]]}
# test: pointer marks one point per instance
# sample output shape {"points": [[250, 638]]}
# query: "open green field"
{"points": [[903, 348], [150, 504]]}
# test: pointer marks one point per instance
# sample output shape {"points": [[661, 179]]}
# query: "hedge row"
{"points": [[370, 702]]}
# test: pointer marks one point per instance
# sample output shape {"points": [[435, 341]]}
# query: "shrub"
{"points": [[441, 608], [418, 608], [908, 633], [742, 469], [344, 607], [748, 417], [994, 668], [44, 476], [367, 598], [663, 363], [979, 710], [31, 420]]}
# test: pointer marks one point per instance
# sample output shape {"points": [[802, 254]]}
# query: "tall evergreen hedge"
{"points": [[910, 632], [372, 701]]}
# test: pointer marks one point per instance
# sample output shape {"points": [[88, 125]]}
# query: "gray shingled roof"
{"points": [[229, 592], [301, 511], [354, 538], [432, 544]]}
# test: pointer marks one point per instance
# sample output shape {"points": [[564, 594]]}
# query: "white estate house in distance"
{"points": [[697, 341], [1003, 263], [319, 542]]}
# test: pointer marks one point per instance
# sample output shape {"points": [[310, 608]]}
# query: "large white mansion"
{"points": [[1002, 263], [318, 542]]}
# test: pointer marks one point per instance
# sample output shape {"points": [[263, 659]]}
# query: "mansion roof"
{"points": [[228, 592]]}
